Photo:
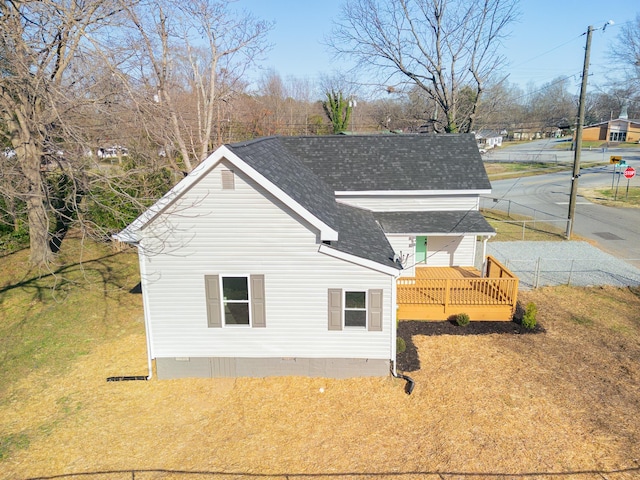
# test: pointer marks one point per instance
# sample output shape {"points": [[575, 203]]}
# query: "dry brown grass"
{"points": [[490, 406], [605, 196]]}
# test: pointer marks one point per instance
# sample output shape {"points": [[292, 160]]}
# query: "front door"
{"points": [[421, 249]]}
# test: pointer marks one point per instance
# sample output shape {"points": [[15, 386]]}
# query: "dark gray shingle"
{"points": [[393, 162], [361, 235], [458, 222]]}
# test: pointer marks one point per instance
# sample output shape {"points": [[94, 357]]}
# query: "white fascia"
{"points": [[440, 234], [393, 193], [332, 252]]}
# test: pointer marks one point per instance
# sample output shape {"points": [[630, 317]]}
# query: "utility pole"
{"points": [[578, 145]]}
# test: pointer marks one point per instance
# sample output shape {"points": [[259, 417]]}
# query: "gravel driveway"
{"points": [[563, 263]]}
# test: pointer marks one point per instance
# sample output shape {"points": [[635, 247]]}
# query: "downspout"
{"points": [[394, 322], [408, 388], [147, 324]]}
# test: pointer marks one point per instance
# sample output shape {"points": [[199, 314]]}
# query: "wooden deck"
{"points": [[436, 293]]}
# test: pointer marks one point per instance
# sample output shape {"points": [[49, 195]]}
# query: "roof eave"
{"points": [[440, 234], [365, 193], [327, 250]]}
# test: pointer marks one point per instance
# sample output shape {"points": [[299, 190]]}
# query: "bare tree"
{"points": [[441, 46], [626, 53], [626, 49], [553, 104], [192, 55], [41, 46]]}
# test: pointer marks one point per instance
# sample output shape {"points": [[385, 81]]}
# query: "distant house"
{"points": [[488, 139], [112, 152], [520, 134], [280, 256]]}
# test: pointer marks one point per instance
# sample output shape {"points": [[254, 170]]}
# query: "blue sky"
{"points": [[547, 42]]}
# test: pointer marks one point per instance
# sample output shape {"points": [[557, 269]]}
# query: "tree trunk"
{"points": [[39, 237]]}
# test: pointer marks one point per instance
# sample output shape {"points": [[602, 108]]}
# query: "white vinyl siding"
{"points": [[417, 203], [442, 251], [246, 231]]}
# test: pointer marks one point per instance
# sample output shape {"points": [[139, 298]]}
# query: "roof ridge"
{"points": [[252, 141]]}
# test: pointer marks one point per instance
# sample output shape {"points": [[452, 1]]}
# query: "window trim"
{"points": [[374, 302], [346, 309], [223, 302]]}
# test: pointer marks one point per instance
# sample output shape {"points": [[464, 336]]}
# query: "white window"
{"points": [[235, 300], [355, 309]]}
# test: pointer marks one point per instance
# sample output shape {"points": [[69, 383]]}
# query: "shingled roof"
{"points": [[458, 222], [310, 169], [419, 162]]}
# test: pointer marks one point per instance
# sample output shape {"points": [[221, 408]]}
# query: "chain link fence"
{"points": [[534, 222], [573, 263]]}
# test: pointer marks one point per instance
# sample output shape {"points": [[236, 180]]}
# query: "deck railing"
{"points": [[498, 289]]}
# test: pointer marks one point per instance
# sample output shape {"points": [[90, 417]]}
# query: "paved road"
{"points": [[616, 230], [548, 147]]}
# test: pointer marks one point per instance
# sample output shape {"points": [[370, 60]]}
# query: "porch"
{"points": [[436, 293]]}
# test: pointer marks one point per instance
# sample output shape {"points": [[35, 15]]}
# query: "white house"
{"points": [[279, 256], [488, 140]]}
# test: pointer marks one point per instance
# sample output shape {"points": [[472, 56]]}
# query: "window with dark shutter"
{"points": [[235, 301], [355, 309]]}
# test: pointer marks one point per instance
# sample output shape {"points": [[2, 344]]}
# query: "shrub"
{"points": [[529, 318], [401, 346], [462, 319]]}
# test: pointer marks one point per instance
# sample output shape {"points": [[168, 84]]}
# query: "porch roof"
{"points": [[442, 223]]}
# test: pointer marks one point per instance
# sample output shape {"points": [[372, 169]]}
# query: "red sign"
{"points": [[629, 172]]}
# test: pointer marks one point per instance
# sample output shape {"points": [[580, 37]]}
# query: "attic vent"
{"points": [[228, 181]]}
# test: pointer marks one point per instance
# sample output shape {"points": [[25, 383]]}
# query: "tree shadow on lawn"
{"points": [[408, 361]]}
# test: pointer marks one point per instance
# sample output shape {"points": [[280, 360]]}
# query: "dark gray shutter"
{"points": [[335, 309], [258, 318], [212, 291], [375, 310]]}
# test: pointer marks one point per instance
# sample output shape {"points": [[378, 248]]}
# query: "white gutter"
{"points": [[413, 193], [394, 322]]}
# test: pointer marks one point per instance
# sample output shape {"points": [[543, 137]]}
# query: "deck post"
{"points": [[447, 291]]}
